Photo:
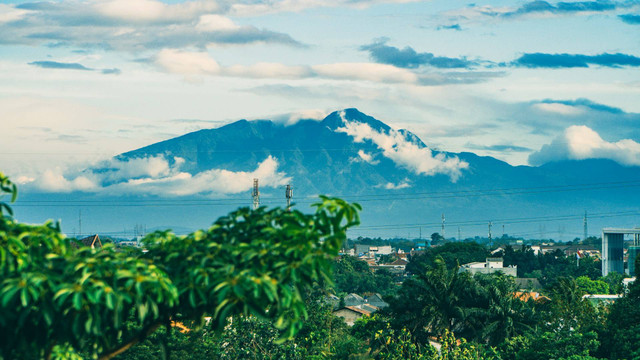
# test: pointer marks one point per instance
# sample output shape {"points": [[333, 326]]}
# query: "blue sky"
{"points": [[524, 81]]}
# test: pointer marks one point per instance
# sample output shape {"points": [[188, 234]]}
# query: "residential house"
{"points": [[491, 265]]}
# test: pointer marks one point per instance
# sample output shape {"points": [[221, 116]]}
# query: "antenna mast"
{"points": [[255, 194], [288, 193], [585, 225], [490, 241]]}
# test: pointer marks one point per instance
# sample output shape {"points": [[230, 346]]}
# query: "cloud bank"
{"points": [[631, 19], [71, 66], [157, 175], [396, 147], [128, 25], [195, 64], [556, 61], [580, 142], [409, 58], [539, 9]]}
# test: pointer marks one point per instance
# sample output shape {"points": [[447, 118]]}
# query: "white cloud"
{"points": [[215, 181], [158, 176], [366, 71], [363, 156], [132, 10], [214, 22], [187, 63], [55, 181], [9, 13], [558, 108], [395, 146], [191, 63], [254, 8], [129, 25], [391, 186], [268, 70], [310, 114], [579, 142], [153, 11]]}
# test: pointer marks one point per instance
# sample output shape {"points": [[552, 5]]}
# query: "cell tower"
{"points": [[490, 241], [288, 193], [255, 194], [585, 225], [443, 235]]}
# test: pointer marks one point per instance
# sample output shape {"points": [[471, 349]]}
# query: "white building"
{"points": [[490, 266]]}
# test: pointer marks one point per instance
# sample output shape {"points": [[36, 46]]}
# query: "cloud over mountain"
{"points": [[396, 146], [579, 142], [157, 175]]}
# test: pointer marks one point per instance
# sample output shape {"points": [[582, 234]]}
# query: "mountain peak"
{"points": [[337, 119]]}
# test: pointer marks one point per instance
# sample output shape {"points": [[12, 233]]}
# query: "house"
{"points": [[528, 284], [354, 300], [396, 267], [491, 265], [351, 313], [372, 250], [376, 300], [92, 241]]}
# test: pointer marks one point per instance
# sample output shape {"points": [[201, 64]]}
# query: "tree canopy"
{"points": [[250, 262]]}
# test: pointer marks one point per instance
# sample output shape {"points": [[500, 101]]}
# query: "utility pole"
{"points": [[443, 235], [502, 230], [459, 237], [288, 193], [585, 225], [420, 233], [255, 194], [80, 223], [490, 242]]}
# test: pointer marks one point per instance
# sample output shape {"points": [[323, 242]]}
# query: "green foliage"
{"points": [[589, 286], [452, 253], [621, 338], [497, 312], [352, 275], [442, 300], [550, 266], [432, 302], [7, 187], [560, 345], [391, 344], [614, 280], [56, 298]]}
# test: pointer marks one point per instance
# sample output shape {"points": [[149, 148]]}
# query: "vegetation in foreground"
{"points": [[261, 279]]}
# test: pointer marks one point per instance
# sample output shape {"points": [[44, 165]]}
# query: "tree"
{"points": [[500, 315], [453, 254], [251, 263], [589, 286], [621, 339], [432, 302], [352, 275]]}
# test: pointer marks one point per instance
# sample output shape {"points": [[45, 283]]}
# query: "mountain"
{"points": [[403, 185]]}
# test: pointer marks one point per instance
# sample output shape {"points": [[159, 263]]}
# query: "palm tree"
{"points": [[444, 297], [504, 314]]}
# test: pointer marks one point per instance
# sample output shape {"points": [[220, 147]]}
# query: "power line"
{"points": [[354, 197], [508, 221]]}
